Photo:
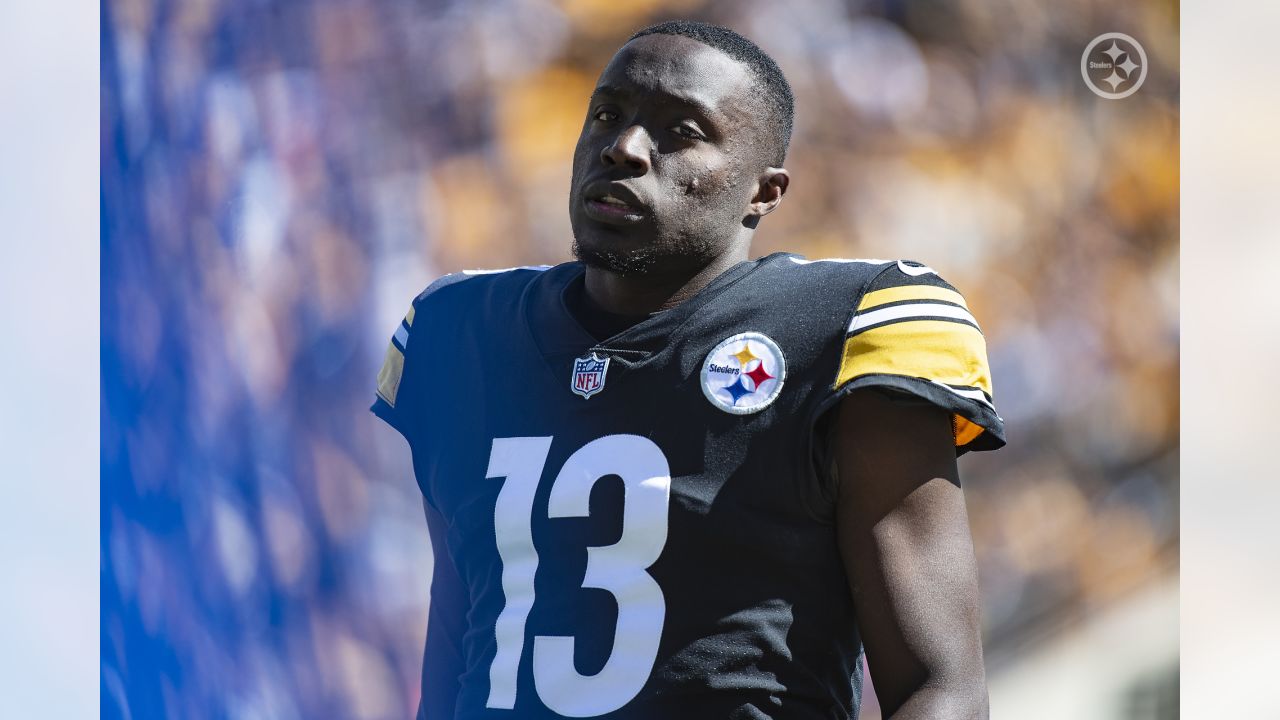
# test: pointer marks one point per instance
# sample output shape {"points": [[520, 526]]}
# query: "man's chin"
{"points": [[627, 262]]}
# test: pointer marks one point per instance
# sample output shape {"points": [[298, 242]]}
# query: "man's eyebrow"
{"points": [[607, 90], [614, 90]]}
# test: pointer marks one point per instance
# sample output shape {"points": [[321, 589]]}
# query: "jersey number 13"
{"points": [[621, 569]]}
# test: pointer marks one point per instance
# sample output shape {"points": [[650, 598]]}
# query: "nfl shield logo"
{"points": [[589, 374]]}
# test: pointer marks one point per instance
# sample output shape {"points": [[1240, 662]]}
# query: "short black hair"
{"points": [[777, 91]]}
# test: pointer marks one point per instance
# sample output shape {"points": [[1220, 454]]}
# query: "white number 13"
{"points": [[619, 568]]}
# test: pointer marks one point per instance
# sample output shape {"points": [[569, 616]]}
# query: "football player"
{"points": [[670, 481]]}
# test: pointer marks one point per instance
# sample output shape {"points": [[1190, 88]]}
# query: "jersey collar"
{"points": [[560, 339]]}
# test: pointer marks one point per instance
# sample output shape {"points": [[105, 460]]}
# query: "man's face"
{"points": [[667, 162]]}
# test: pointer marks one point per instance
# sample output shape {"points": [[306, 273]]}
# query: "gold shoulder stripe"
{"points": [[910, 292], [947, 352], [393, 363], [390, 374]]}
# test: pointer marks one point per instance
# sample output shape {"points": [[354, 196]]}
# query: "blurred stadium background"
{"points": [[280, 178]]}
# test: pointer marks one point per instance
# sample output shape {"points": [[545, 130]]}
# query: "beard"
{"points": [[659, 257], [627, 263]]}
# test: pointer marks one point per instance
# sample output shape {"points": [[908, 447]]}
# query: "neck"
{"points": [[651, 292]]}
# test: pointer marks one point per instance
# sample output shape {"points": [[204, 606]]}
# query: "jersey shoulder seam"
{"points": [[460, 277]]}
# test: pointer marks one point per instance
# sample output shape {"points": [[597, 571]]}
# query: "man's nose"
{"points": [[630, 148]]}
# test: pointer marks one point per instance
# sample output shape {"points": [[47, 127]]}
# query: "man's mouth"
{"points": [[615, 201], [611, 208]]}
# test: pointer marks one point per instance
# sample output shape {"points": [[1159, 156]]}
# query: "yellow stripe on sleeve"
{"points": [[389, 375], [408, 318], [948, 352], [910, 292]]}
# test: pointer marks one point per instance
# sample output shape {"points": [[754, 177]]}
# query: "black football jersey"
{"points": [[643, 527]]}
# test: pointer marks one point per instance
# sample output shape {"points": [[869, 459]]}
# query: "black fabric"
{"points": [[992, 438], [757, 618]]}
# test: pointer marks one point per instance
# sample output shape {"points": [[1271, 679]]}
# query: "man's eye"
{"points": [[687, 132], [606, 115]]}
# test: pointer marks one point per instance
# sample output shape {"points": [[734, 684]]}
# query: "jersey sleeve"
{"points": [[912, 335], [386, 403], [407, 359]]}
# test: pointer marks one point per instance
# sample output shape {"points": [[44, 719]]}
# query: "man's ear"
{"points": [[770, 187]]}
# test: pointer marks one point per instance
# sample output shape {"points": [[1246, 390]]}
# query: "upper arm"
{"points": [[904, 538], [411, 411], [442, 657]]}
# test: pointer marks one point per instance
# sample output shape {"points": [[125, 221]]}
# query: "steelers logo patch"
{"points": [[744, 373]]}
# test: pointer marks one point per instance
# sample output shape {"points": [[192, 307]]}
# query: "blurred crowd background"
{"points": [[280, 178]]}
